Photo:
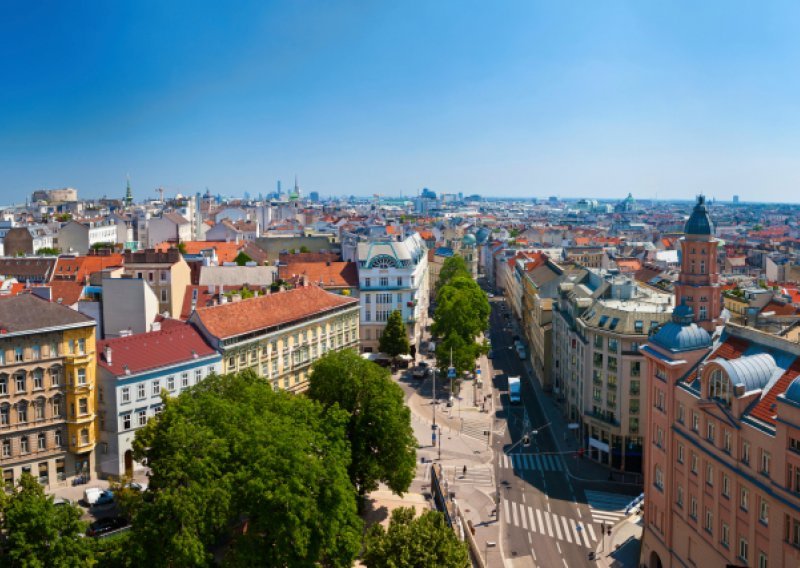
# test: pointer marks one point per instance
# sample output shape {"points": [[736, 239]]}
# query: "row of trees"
{"points": [[461, 315], [243, 475]]}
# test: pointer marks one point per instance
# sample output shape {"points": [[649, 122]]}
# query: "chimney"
{"points": [[107, 353], [155, 326], [126, 369]]}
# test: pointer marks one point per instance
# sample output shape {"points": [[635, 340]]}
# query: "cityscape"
{"points": [[385, 316]]}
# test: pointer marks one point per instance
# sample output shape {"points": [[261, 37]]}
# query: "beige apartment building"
{"points": [[280, 335], [47, 391], [166, 273]]}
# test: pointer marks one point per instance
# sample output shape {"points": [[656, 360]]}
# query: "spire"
{"points": [[128, 193]]}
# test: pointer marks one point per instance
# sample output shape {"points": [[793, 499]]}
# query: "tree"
{"points": [[182, 248], [463, 353], [259, 474], [40, 534], [451, 268], [304, 248], [383, 446], [462, 307], [422, 541], [242, 258], [48, 251], [394, 339]]}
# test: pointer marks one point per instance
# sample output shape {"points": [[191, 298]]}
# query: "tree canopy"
{"points": [[412, 542], [394, 339], [451, 268], [382, 441], [463, 353], [242, 258], [40, 534], [462, 307], [258, 473]]}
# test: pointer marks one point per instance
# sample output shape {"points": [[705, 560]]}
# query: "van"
{"points": [[514, 390], [91, 495]]}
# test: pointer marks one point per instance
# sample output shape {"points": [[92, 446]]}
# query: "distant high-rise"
{"points": [[314, 196], [736, 199]]}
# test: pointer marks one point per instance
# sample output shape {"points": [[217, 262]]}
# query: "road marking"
{"points": [[523, 497], [558, 546], [581, 532], [558, 528], [566, 529], [514, 513], [523, 516], [505, 508], [564, 560], [549, 527], [588, 527], [533, 523], [539, 518]]}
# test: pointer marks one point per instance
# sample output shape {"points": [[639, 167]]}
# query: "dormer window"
{"points": [[719, 387]]}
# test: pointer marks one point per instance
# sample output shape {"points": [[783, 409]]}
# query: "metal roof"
{"points": [[682, 337], [754, 371], [699, 222]]}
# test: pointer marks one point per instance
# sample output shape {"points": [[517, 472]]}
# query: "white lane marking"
{"points": [[505, 508], [582, 533], [549, 527], [514, 513], [539, 518], [588, 527], [564, 560], [558, 546], [576, 532], [533, 523], [566, 529], [578, 509], [558, 528], [523, 517]]}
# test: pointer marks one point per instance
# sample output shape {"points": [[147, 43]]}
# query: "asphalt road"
{"points": [[544, 514]]}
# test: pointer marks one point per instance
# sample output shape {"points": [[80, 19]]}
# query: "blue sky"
{"points": [[525, 99]]}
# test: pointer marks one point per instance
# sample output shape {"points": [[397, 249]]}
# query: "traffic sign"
{"points": [[451, 373]]}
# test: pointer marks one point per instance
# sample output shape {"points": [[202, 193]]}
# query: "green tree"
{"points": [[304, 248], [242, 258], [464, 353], [182, 248], [462, 307], [48, 251], [382, 441], [394, 339], [39, 533], [259, 474], [451, 268], [410, 542]]}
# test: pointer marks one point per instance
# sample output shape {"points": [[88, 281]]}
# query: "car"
{"points": [[105, 498], [490, 354], [490, 295], [61, 501], [423, 364], [418, 373], [450, 401], [105, 526], [91, 494]]}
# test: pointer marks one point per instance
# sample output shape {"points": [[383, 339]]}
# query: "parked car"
{"points": [[105, 498], [418, 373], [490, 354], [59, 501], [91, 494], [105, 526]]}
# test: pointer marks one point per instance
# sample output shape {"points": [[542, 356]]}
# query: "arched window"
{"points": [[719, 387], [5, 414], [22, 411], [38, 409], [57, 409], [55, 376], [383, 261]]}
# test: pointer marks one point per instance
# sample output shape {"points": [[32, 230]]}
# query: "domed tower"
{"points": [[468, 246], [698, 286]]}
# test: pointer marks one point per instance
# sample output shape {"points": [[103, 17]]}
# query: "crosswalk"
{"points": [[608, 508], [423, 472], [549, 524], [540, 462], [475, 428], [476, 475]]}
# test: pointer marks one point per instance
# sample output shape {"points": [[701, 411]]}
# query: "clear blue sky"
{"points": [[503, 98]]}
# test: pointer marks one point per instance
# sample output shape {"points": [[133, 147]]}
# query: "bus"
{"points": [[514, 390]]}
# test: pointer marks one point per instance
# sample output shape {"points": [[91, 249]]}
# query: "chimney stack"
{"points": [[107, 353]]}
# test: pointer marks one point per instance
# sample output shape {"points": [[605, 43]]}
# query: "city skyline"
{"points": [[520, 100]]}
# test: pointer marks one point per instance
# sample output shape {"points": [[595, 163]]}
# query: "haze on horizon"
{"points": [[518, 99]]}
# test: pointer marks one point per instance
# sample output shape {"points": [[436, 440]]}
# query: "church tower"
{"points": [[698, 286], [128, 195]]}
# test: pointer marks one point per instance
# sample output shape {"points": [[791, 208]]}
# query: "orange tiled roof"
{"points": [[226, 252], [764, 409], [229, 320], [325, 274], [79, 267]]}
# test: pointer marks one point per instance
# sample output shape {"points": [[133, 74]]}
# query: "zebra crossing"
{"points": [[536, 462], [423, 472], [549, 524], [476, 475], [475, 428], [607, 508]]}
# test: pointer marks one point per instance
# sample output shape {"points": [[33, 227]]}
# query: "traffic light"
{"points": [[526, 440], [609, 530]]}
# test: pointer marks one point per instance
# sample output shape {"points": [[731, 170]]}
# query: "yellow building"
{"points": [[47, 391], [279, 336]]}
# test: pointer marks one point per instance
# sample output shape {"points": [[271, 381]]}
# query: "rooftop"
{"points": [[27, 312]]}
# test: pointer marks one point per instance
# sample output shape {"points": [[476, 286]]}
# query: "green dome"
{"points": [[700, 221], [468, 240]]}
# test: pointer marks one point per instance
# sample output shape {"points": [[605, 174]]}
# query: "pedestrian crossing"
{"points": [[423, 472], [608, 508], [475, 428], [535, 462], [549, 524], [476, 475]]}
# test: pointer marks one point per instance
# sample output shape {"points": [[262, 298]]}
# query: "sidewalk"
{"points": [[473, 492], [621, 549]]}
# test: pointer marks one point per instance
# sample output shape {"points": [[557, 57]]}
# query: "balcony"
{"points": [[604, 417]]}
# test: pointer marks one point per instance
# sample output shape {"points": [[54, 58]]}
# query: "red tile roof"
{"points": [[228, 320], [225, 252], [172, 345], [78, 268], [764, 409], [205, 298], [324, 274]]}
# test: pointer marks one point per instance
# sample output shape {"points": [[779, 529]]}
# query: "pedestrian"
{"points": [[464, 472]]}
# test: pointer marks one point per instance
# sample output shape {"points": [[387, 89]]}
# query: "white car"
{"points": [[91, 495]]}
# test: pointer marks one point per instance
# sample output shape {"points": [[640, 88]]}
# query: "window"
{"points": [[55, 376], [22, 412], [82, 346], [23, 445], [703, 313], [53, 349], [636, 371], [126, 394], [156, 390], [163, 275], [726, 441], [719, 387], [613, 344], [399, 281], [6, 448], [141, 391], [83, 406], [762, 559], [142, 417], [164, 298], [693, 508], [710, 431], [56, 407], [3, 384], [57, 439], [41, 441], [184, 380], [680, 453], [150, 276], [84, 436], [681, 413], [725, 532], [18, 354], [746, 452], [659, 479], [5, 415], [20, 382], [659, 399], [198, 375], [384, 281], [709, 474], [679, 496], [744, 498], [763, 511], [367, 282], [81, 376], [38, 409], [634, 406], [709, 521], [726, 485], [36, 352], [694, 463], [126, 421], [695, 422], [765, 459], [743, 549]]}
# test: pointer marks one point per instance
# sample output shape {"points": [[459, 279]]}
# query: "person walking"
{"points": [[464, 472]]}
